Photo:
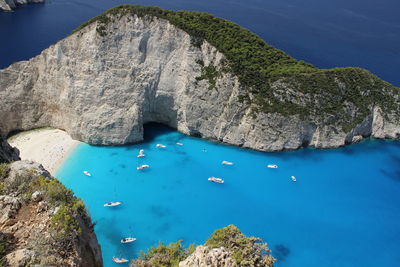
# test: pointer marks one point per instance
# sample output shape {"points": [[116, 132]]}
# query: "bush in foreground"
{"points": [[246, 251]]}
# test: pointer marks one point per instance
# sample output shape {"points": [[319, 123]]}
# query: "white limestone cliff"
{"points": [[101, 87]]}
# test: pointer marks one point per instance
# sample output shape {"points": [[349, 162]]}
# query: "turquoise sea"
{"points": [[344, 209]]}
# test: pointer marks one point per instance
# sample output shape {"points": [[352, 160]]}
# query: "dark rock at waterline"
{"points": [[8, 5], [7, 153]]}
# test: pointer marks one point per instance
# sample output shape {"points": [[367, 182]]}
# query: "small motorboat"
{"points": [[141, 153], [226, 162], [87, 173], [179, 144], [112, 204], [293, 178], [272, 166], [127, 240], [216, 180], [119, 260], [141, 167], [161, 145]]}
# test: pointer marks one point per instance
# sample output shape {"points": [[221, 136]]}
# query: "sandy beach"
{"points": [[46, 146]]}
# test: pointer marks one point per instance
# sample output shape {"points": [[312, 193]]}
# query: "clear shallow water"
{"points": [[344, 209], [326, 33]]}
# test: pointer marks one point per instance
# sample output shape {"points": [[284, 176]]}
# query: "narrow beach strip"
{"points": [[47, 146]]}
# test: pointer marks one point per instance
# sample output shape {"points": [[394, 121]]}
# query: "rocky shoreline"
{"points": [[226, 247], [9, 5], [41, 222], [7, 152], [106, 80]]}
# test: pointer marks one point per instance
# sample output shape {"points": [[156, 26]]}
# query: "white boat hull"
{"points": [[216, 180], [128, 240], [112, 204]]}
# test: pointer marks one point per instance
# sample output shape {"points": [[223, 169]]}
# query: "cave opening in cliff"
{"points": [[153, 129], [13, 132], [305, 143]]}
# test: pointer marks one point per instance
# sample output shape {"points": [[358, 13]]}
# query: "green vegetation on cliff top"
{"points": [[273, 80], [64, 225], [246, 251], [251, 58]]}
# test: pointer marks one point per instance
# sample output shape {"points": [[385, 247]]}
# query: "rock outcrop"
{"points": [[103, 82], [7, 153], [226, 247], [41, 223], [8, 5], [204, 256]]}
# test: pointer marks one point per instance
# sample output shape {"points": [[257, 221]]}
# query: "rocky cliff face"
{"points": [[8, 5], [102, 83], [41, 223], [226, 247], [7, 153], [204, 256]]}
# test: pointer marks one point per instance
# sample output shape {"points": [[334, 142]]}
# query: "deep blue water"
{"points": [[326, 33], [344, 209]]}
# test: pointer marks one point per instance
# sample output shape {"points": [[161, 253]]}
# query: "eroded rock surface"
{"points": [[203, 256], [102, 83], [7, 153], [35, 229]]}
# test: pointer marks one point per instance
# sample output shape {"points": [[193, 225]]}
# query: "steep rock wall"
{"points": [[32, 221], [102, 83], [7, 153]]}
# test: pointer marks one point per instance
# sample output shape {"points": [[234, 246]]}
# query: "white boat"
{"points": [[141, 153], [272, 166], [141, 167], [226, 162], [87, 173], [119, 260], [127, 240], [112, 204], [161, 145], [293, 178], [216, 180], [179, 144]]}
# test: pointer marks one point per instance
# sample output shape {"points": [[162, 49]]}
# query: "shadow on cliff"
{"points": [[163, 134], [153, 130]]}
